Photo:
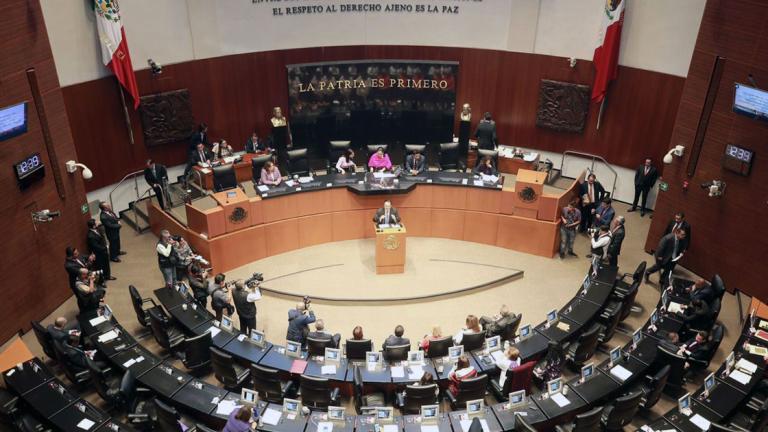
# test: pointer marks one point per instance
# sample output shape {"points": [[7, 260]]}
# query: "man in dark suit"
{"points": [[254, 144], [321, 334], [98, 247], [156, 176], [112, 225], [74, 262], [698, 290], [486, 133], [669, 251], [696, 348], [60, 331], [396, 339], [645, 177], [495, 325], [386, 214], [679, 222], [201, 136], [201, 155], [617, 238], [591, 193], [299, 320], [415, 163]]}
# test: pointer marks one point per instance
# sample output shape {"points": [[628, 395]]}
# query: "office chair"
{"points": [[718, 285], [361, 398], [167, 335], [715, 338], [229, 373], [356, 349], [470, 389], [202, 428], [224, 178], [77, 375], [652, 387], [622, 287], [168, 419], [107, 384], [717, 427], [414, 396], [449, 158], [580, 351], [584, 422], [257, 163], [317, 392], [620, 414], [197, 356], [316, 346], [518, 378], [439, 347], [510, 331], [142, 314], [675, 382], [267, 382], [139, 402], [482, 153], [9, 407], [336, 149], [607, 326], [44, 339], [522, 426], [395, 353], [29, 422], [752, 417], [472, 341], [298, 162]]}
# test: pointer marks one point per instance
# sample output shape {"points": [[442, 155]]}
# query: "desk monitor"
{"points": [[587, 371], [654, 316], [551, 316], [106, 312], [615, 356], [416, 358], [293, 349], [709, 382], [226, 323], [336, 413], [291, 406], [637, 336], [373, 357], [475, 407], [385, 414], [248, 396], [493, 343], [525, 332], [332, 355], [455, 352], [517, 399], [258, 338], [429, 413], [231, 195], [554, 386], [684, 404], [729, 362], [182, 289]]}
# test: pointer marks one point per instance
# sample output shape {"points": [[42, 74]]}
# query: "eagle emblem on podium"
{"points": [[528, 194], [238, 215], [391, 243]]}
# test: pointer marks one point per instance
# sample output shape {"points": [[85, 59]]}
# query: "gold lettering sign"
{"points": [[329, 85], [391, 243]]}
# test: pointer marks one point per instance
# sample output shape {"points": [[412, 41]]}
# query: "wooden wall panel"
{"points": [[235, 94], [281, 236], [481, 227], [729, 234], [314, 230], [448, 224]]}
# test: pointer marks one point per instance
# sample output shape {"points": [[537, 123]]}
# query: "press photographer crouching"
{"points": [[245, 295], [89, 294]]}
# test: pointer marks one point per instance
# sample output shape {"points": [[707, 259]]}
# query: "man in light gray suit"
{"points": [[396, 339], [387, 214]]}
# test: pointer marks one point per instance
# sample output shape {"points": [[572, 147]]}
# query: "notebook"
{"points": [[298, 366]]}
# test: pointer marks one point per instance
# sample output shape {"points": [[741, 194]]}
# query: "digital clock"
{"points": [[29, 170], [738, 159]]}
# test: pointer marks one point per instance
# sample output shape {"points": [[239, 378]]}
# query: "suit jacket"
{"points": [[698, 318], [604, 216], [393, 340], [666, 248], [394, 216], [111, 224], [152, 179], [197, 138], [617, 237], [482, 169], [698, 351], [410, 164], [705, 294], [75, 357], [195, 156], [598, 190], [252, 147], [73, 267], [486, 135], [60, 336], [96, 243], [297, 325], [685, 226], [646, 181]]}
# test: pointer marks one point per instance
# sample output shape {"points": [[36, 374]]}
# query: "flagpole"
{"points": [[125, 113], [600, 113]]}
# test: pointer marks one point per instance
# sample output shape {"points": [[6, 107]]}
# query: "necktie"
{"points": [[591, 194], [646, 170], [386, 216], [674, 252], [202, 157], [154, 172]]}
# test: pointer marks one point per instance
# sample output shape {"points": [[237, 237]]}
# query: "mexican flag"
{"points": [[606, 58], [114, 46]]}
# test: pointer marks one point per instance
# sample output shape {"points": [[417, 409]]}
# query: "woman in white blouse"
{"points": [[472, 327], [346, 162]]}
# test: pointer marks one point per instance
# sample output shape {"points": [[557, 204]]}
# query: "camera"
{"points": [[307, 302], [95, 273], [254, 280], [155, 68], [592, 230]]}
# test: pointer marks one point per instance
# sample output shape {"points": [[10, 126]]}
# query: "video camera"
{"points": [[307, 302], [254, 280]]}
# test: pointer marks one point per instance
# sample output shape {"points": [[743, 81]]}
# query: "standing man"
{"points": [[645, 177], [570, 218], [668, 253], [299, 320], [617, 238], [245, 299], [387, 214], [112, 226], [74, 262], [600, 241], [591, 193], [677, 223], [605, 213], [156, 176], [166, 258], [201, 136], [486, 133], [98, 247]]}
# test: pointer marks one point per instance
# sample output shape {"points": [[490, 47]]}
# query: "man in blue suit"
{"points": [[604, 214], [299, 320]]}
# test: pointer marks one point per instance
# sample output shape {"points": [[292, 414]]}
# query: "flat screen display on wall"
{"points": [[13, 120], [750, 101], [371, 102]]}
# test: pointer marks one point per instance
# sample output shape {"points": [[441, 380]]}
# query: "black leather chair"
{"points": [[224, 178], [336, 150], [317, 392], [9, 407], [229, 373], [76, 374], [257, 163], [676, 363], [482, 153], [298, 162], [197, 355], [652, 387], [620, 414], [356, 349], [470, 389], [142, 314], [168, 419], [718, 285], [449, 158], [316, 347], [267, 382], [44, 339], [584, 422], [361, 398], [395, 353], [510, 331], [203, 428], [439, 347], [580, 351], [752, 417], [28, 422], [522, 426], [139, 403], [622, 285], [607, 326], [106, 383], [414, 396], [472, 341], [167, 336]]}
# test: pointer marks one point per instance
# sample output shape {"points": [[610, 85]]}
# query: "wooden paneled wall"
{"points": [[35, 282], [236, 93], [730, 234]]}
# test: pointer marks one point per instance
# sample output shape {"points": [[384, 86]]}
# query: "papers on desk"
{"points": [[757, 350], [226, 407], [466, 423], [560, 400], [328, 370], [530, 157], [381, 175], [674, 307], [497, 356], [430, 428], [415, 372], [324, 426], [214, 331], [132, 361], [490, 178], [700, 422], [290, 183], [391, 428], [271, 416], [746, 365], [563, 326], [205, 170], [98, 320], [85, 424], [762, 334], [262, 188], [397, 371], [108, 336], [241, 338], [740, 377], [464, 181], [477, 182], [621, 372]]}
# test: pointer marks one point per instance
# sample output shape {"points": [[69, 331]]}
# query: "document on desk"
{"points": [[477, 182], [700, 422], [563, 326], [497, 356], [490, 178], [325, 426], [205, 170], [397, 371], [214, 331], [466, 423], [746, 366], [226, 407], [328, 370], [129, 363], [620, 372], [415, 372], [391, 428], [262, 188], [98, 320], [85, 424], [271, 416], [108, 336], [740, 377], [674, 307], [560, 400], [430, 428]]}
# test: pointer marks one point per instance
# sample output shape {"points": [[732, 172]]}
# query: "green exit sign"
{"points": [[663, 186], [84, 208]]}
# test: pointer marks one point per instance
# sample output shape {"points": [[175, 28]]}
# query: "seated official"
{"points": [[510, 360], [485, 167], [201, 156], [346, 162], [270, 174], [472, 326], [89, 296], [415, 163], [320, 333], [254, 144], [551, 366], [379, 161], [437, 333], [396, 339], [460, 372], [240, 420], [670, 342], [697, 315], [698, 290], [357, 333], [605, 213], [222, 149], [387, 215], [495, 325], [76, 356], [696, 348], [61, 331]]}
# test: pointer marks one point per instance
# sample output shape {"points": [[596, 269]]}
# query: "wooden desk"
{"points": [[506, 165], [242, 171], [390, 250]]}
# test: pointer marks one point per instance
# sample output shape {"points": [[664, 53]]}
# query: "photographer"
{"points": [[88, 295], [74, 262], [601, 239], [299, 320], [198, 281], [245, 297], [185, 256], [166, 258], [220, 298]]}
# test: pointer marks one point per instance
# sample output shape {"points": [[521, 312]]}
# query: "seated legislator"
{"points": [[695, 348], [485, 167], [60, 331], [320, 333], [472, 326], [254, 144], [270, 174], [357, 333], [387, 215], [415, 163], [201, 156], [697, 315], [436, 334], [510, 360], [346, 162], [379, 161], [222, 149], [699, 290], [495, 325], [460, 372], [396, 339]]}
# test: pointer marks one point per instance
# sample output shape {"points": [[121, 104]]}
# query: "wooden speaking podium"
{"points": [[390, 250]]}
